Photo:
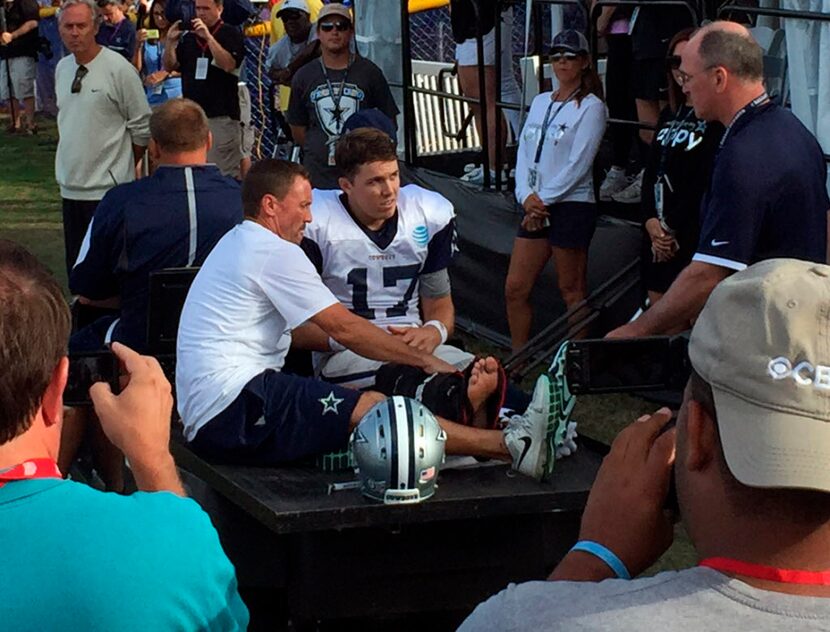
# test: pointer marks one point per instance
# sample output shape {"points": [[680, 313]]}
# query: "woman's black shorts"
{"points": [[572, 225]]}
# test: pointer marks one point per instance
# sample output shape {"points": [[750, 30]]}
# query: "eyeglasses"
{"points": [[562, 55], [79, 77], [330, 26], [684, 77]]}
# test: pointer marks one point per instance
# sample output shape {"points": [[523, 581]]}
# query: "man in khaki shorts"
{"points": [[18, 58]]}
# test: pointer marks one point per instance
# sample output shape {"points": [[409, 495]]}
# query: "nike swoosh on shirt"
{"points": [[715, 243], [528, 442]]}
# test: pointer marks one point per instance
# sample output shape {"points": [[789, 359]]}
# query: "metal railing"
{"points": [[410, 90]]}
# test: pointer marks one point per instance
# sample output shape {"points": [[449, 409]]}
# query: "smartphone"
{"points": [[84, 370], [620, 366], [152, 34]]}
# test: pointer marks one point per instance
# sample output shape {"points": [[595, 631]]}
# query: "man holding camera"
{"points": [[18, 61], [208, 53], [76, 558], [751, 459]]}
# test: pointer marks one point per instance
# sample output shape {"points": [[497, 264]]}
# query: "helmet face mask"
{"points": [[398, 447]]}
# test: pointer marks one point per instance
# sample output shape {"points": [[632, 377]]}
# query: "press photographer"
{"points": [[208, 53]]}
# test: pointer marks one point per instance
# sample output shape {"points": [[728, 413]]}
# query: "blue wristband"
{"points": [[605, 554]]}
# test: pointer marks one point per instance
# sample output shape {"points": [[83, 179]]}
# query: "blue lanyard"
{"points": [[547, 122], [159, 53], [756, 102]]}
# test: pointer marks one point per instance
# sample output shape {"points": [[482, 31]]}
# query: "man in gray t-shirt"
{"points": [[751, 457], [328, 90]]}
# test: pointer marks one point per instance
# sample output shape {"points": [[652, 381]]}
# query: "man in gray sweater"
{"points": [[751, 457], [103, 121]]}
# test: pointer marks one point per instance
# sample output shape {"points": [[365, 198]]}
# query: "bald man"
{"points": [[766, 198]]}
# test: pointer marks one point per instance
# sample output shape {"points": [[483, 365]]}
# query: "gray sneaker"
{"points": [[614, 182], [632, 193], [526, 435]]}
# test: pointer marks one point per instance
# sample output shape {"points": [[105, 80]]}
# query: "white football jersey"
{"points": [[379, 281]]}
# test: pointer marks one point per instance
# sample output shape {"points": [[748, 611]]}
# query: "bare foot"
{"points": [[484, 379]]}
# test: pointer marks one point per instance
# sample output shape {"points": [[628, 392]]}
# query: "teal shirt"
{"points": [[74, 558]]}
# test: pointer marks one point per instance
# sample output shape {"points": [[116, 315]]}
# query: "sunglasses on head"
{"points": [[330, 26], [79, 77], [557, 55]]}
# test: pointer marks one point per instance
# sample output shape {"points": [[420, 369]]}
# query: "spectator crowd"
{"points": [[333, 258]]}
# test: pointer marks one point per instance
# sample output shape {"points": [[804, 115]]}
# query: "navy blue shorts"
{"points": [[572, 225], [278, 418]]}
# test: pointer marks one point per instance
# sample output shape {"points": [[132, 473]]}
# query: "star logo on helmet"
{"points": [[330, 403]]}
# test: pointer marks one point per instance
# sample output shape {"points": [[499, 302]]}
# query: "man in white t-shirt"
{"points": [[254, 288]]}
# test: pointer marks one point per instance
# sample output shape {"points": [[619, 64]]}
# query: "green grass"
{"points": [[30, 214], [30, 203]]}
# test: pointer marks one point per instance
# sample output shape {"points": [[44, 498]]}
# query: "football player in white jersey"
{"points": [[257, 290], [384, 251]]}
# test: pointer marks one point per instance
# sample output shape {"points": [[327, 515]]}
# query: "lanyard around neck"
{"points": [[29, 470], [115, 32], [770, 573], [202, 44], [756, 102], [548, 121], [336, 100]]}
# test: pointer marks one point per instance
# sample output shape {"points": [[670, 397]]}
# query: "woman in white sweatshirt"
{"points": [[554, 183]]}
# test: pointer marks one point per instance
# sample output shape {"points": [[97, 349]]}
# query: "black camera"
{"points": [[182, 11], [627, 365], [84, 370], [654, 363]]}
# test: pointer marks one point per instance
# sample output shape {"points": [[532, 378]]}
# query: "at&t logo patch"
{"points": [[420, 235]]}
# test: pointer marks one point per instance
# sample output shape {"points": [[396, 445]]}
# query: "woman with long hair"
{"points": [[675, 179], [159, 84], [555, 184]]}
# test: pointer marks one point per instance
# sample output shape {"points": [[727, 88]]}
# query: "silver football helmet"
{"points": [[398, 447]]}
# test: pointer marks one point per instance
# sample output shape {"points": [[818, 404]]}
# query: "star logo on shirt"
{"points": [[330, 403], [561, 128], [337, 114]]}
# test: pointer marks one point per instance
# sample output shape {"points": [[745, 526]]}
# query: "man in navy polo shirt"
{"points": [[171, 219], [767, 197]]}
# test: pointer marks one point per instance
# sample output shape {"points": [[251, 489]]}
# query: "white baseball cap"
{"points": [[763, 344], [299, 5]]}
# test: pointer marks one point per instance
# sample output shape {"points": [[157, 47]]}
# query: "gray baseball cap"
{"points": [[570, 41], [763, 343]]}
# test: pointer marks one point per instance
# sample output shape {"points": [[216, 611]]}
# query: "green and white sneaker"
{"points": [[526, 436], [562, 431]]}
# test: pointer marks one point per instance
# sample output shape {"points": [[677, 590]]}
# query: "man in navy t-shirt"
{"points": [[767, 197]]}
